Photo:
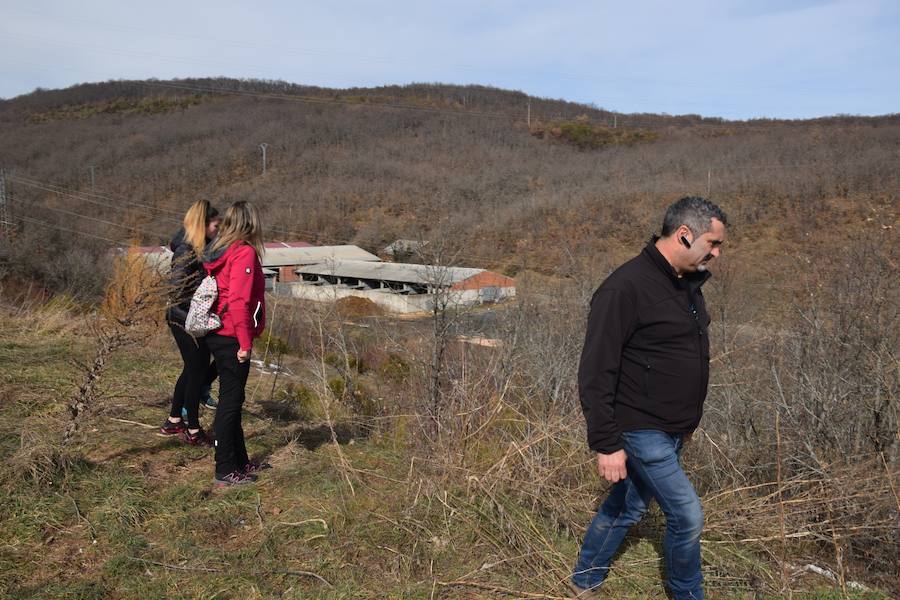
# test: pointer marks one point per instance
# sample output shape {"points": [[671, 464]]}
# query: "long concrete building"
{"points": [[286, 260], [280, 259], [329, 273], [399, 287]]}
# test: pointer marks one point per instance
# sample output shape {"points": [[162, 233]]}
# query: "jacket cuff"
{"points": [[245, 342], [604, 447]]}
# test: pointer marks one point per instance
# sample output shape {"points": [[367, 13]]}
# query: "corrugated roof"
{"points": [[282, 257], [403, 272], [287, 245], [151, 249], [267, 245]]}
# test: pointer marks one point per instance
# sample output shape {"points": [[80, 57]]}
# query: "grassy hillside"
{"points": [[133, 515], [408, 463]]}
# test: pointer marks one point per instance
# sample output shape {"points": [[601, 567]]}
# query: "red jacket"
{"points": [[241, 303]]}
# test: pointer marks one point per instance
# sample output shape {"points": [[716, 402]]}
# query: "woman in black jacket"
{"points": [[201, 222]]}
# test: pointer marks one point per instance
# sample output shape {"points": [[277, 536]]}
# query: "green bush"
{"points": [[586, 136], [355, 362], [512, 270], [337, 387], [395, 368], [363, 403], [332, 360], [276, 345], [292, 403]]}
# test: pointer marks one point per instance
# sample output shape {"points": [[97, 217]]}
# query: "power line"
{"points": [[317, 235], [83, 216], [89, 196], [46, 224], [290, 232]]}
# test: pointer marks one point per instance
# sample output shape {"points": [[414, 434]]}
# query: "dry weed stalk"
{"points": [[514, 443], [133, 306], [325, 397], [849, 505]]}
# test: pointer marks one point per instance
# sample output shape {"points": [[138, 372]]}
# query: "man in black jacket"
{"points": [[642, 382]]}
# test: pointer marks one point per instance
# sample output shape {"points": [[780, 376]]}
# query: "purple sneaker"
{"points": [[170, 428], [253, 468], [232, 479]]}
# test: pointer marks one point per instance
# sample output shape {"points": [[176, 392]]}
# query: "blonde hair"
{"points": [[241, 223], [196, 219]]}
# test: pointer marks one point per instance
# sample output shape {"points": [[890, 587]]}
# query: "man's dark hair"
{"points": [[693, 211]]}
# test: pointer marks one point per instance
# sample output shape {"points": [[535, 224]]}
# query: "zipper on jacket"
{"points": [[692, 305], [646, 378]]}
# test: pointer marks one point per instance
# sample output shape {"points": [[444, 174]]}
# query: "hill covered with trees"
{"points": [[468, 474], [517, 182]]}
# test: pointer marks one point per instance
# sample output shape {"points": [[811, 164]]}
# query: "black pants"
{"points": [[231, 452], [196, 373]]}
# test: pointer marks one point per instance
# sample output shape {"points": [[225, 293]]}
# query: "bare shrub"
{"points": [[133, 307]]}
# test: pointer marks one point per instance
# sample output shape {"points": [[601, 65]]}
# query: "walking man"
{"points": [[642, 381]]}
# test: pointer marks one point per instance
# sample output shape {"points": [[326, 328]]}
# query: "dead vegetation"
{"points": [[409, 461]]}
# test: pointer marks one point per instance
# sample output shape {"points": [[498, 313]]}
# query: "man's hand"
{"points": [[243, 355], [612, 466]]}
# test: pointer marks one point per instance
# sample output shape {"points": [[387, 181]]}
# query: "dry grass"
{"points": [[484, 495]]}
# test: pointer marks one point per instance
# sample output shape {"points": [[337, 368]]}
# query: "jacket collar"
{"points": [[178, 240], [212, 260], [692, 280]]}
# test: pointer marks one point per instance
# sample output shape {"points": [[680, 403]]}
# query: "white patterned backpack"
{"points": [[200, 318]]}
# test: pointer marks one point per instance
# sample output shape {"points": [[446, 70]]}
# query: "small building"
{"points": [[399, 287], [402, 250]]}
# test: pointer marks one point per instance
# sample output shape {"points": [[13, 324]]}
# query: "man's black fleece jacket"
{"points": [[645, 363]]}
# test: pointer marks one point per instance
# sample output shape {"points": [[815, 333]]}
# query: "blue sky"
{"points": [[728, 58]]}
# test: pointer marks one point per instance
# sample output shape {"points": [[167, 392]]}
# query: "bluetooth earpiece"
{"points": [[686, 243]]}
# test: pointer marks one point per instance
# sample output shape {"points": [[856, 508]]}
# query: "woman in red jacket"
{"points": [[233, 258]]}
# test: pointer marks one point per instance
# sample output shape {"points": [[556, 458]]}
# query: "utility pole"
{"points": [[4, 210], [708, 181], [529, 114], [615, 121], [263, 147], [91, 167]]}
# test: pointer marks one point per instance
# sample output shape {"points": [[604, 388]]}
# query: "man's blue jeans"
{"points": [[654, 472]]}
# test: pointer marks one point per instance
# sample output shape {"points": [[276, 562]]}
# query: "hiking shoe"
{"points": [[232, 479], [200, 438], [586, 594], [170, 428], [207, 399], [252, 468]]}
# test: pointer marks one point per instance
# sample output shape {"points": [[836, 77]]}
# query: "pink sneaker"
{"points": [[232, 479], [252, 468], [201, 438], [170, 428]]}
